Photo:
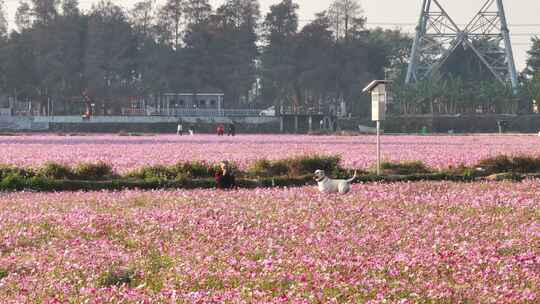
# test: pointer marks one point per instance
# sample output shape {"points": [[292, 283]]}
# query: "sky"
{"points": [[402, 14]]}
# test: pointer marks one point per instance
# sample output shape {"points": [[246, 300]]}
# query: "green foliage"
{"points": [[508, 164], [195, 169], [117, 277], [405, 168], [6, 170], [153, 172], [285, 181], [466, 173], [40, 183], [453, 93], [13, 182], [278, 68], [3, 273], [497, 164], [264, 167], [297, 166], [526, 164], [308, 164], [93, 171], [297, 171], [55, 171], [154, 264], [533, 60], [177, 171], [532, 86]]}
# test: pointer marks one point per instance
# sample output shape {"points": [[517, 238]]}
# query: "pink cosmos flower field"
{"points": [[128, 153], [391, 243]]}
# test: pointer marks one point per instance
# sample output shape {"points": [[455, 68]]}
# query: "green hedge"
{"points": [[18, 183], [405, 168], [510, 164], [290, 172], [296, 166], [177, 171]]}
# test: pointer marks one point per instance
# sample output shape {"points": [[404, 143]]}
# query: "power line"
{"points": [[415, 24]]}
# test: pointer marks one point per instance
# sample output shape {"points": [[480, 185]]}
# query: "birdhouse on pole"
{"points": [[380, 97]]}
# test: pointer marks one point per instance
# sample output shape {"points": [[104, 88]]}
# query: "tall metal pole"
{"points": [[508, 48], [378, 147]]}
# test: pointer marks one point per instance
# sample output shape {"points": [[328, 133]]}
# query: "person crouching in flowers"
{"points": [[225, 176]]}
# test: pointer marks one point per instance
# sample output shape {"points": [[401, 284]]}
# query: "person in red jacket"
{"points": [[225, 176], [220, 130]]}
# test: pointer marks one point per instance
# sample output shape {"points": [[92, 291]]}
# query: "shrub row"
{"points": [[510, 164], [36, 183], [17, 183], [263, 173], [52, 170], [176, 171], [296, 166], [405, 168]]}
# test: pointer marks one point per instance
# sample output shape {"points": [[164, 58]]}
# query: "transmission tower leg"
{"points": [[420, 30], [512, 73]]}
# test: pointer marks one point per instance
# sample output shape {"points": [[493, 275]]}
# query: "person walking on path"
{"points": [[179, 129], [232, 130], [220, 130]]}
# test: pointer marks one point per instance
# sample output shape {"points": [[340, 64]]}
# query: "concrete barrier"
{"points": [[14, 123]]}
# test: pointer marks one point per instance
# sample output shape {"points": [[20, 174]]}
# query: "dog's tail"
{"points": [[352, 178]]}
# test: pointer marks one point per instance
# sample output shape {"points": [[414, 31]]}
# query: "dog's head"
{"points": [[319, 175]]}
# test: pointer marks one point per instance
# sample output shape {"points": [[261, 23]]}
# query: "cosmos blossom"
{"points": [[394, 243], [129, 153]]}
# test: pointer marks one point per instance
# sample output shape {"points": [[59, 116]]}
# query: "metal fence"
{"points": [[316, 110], [180, 112], [5, 112]]}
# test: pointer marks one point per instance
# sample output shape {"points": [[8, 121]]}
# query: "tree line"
{"points": [[62, 53], [115, 55]]}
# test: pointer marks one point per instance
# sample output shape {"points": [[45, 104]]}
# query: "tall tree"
{"points": [[23, 16], [345, 17], [171, 23], [196, 11], [388, 50], [19, 67], [3, 22], [153, 61], [37, 22], [239, 33], [277, 61], [70, 40], [532, 73], [3, 49], [45, 11], [70, 8], [109, 55], [532, 89], [533, 60], [315, 66], [142, 19]]}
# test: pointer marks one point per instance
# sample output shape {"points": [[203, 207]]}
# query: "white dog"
{"points": [[328, 185]]}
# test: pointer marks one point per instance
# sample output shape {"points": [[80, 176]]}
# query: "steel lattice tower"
{"points": [[438, 36]]}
